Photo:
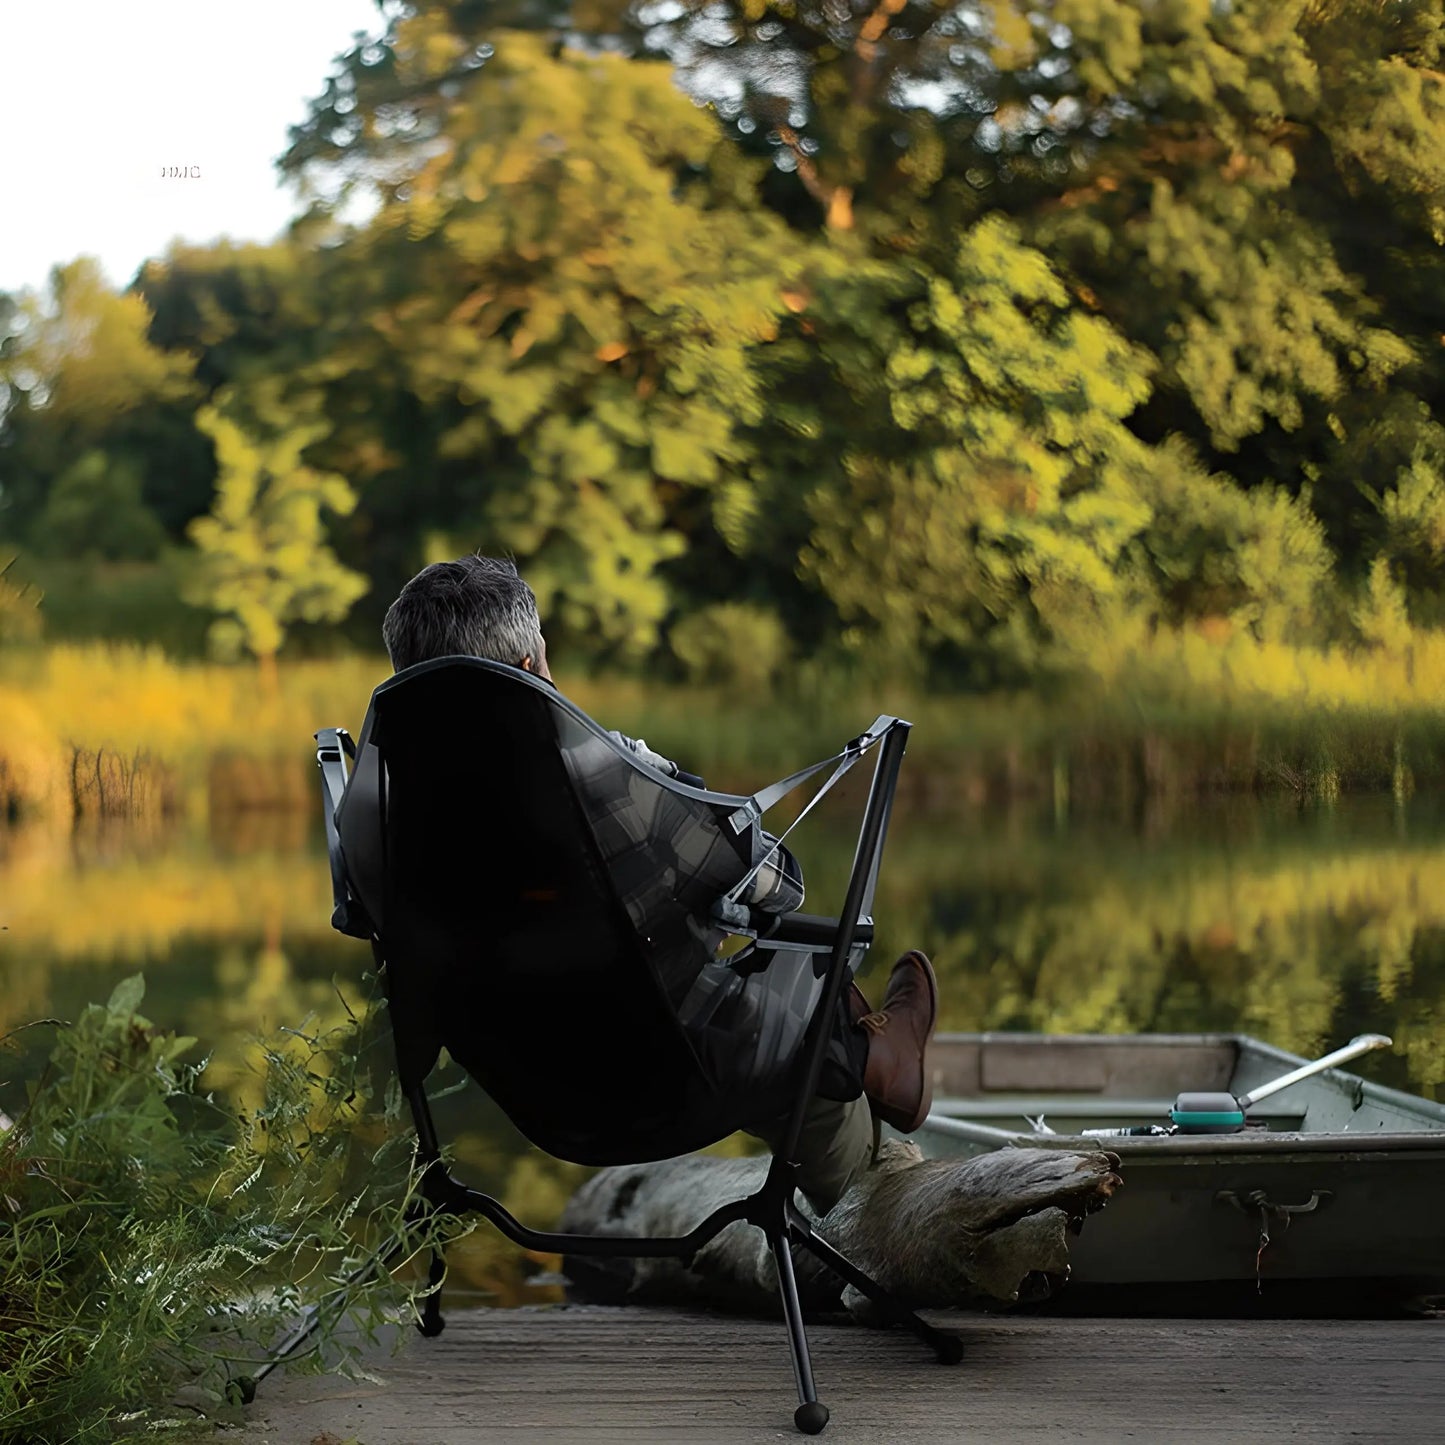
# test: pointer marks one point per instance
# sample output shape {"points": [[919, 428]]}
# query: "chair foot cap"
{"points": [[949, 1349], [811, 1418]]}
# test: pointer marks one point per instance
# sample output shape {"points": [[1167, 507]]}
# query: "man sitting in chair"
{"points": [[875, 1068]]}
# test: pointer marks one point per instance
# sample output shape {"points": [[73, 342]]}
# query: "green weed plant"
{"points": [[155, 1244]]}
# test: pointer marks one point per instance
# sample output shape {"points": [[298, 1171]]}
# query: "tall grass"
{"points": [[1177, 712], [176, 734], [33, 773], [131, 699]]}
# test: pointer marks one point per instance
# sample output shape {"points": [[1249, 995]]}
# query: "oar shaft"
{"points": [[1352, 1050]]}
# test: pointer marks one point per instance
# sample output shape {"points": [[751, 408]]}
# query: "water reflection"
{"points": [[1302, 926]]}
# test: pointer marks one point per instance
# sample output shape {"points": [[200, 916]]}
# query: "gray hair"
{"points": [[474, 607]]}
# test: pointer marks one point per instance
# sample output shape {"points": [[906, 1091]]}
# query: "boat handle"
{"points": [[1257, 1200]]}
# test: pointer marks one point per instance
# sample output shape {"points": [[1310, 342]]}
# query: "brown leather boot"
{"points": [[858, 1004], [896, 1078]]}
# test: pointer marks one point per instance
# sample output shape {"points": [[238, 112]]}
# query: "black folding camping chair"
{"points": [[539, 902]]}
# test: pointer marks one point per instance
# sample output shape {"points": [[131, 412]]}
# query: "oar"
{"points": [[1200, 1113], [1361, 1044]]}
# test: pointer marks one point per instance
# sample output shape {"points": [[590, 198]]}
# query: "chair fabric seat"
{"points": [[535, 890]]}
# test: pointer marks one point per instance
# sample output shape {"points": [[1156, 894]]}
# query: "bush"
{"points": [[129, 601], [1213, 553], [732, 643], [95, 510]]}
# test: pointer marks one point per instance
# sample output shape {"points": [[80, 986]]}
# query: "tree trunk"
{"points": [[939, 1233]]}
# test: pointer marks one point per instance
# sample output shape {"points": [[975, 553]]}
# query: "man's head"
{"points": [[475, 607]]}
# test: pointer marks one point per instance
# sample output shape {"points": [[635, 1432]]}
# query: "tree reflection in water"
{"points": [[1301, 926]]}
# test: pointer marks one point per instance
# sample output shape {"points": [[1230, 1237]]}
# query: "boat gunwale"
{"points": [[1270, 1142], [1170, 1146], [1380, 1094]]}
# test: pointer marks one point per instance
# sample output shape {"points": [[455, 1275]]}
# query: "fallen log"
{"points": [[938, 1233]]}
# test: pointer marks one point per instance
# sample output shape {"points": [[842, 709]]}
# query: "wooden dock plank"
{"points": [[587, 1374]]}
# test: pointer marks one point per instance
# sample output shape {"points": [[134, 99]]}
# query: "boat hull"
{"points": [[1361, 1210], [1193, 1211]]}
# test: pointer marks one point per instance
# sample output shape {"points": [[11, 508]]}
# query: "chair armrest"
{"points": [[806, 928], [333, 747]]}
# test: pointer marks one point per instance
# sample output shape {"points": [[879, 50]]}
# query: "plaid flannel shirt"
{"points": [[778, 887]]}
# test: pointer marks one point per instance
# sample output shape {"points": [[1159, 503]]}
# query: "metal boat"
{"points": [[1333, 1182]]}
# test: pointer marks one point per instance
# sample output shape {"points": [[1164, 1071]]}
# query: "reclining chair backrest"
{"points": [[536, 892]]}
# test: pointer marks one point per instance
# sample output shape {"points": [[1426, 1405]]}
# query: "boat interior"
{"points": [[1070, 1082]]}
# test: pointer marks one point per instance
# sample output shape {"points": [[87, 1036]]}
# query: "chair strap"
{"points": [[764, 798]]}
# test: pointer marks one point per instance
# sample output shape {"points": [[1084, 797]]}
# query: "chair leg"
{"points": [[431, 1323], [310, 1321], [424, 1209], [947, 1347], [811, 1416]]}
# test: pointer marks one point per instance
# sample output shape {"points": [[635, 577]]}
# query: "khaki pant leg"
{"points": [[836, 1145]]}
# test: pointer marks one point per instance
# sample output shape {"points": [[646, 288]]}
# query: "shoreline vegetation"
{"points": [[1109, 388], [141, 1301], [113, 729]]}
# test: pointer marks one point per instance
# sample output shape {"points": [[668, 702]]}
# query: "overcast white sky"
{"points": [[97, 96]]}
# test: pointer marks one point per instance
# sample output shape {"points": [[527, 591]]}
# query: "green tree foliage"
{"points": [[241, 309], [1412, 525], [80, 372], [580, 320], [84, 354], [985, 332], [1256, 560], [1248, 212], [996, 489], [95, 509], [1231, 188], [732, 642], [1381, 614], [20, 619], [246, 312], [264, 561]]}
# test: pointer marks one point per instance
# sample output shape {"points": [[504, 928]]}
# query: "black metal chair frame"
{"points": [[772, 1208]]}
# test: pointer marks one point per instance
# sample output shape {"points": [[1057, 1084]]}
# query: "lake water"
{"points": [[1301, 924]]}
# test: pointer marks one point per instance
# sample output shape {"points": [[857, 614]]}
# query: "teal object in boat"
{"points": [[1212, 1113]]}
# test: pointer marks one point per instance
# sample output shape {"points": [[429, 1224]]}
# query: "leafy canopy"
{"points": [[264, 562]]}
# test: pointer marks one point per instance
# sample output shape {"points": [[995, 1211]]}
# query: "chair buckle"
{"points": [[743, 818], [733, 916]]}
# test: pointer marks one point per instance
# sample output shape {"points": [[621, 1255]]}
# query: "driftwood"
{"points": [[939, 1233]]}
